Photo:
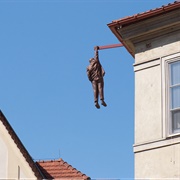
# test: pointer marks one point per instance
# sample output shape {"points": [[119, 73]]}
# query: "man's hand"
{"points": [[96, 48]]}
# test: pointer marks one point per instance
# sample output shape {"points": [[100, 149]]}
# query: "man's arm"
{"points": [[96, 55]]}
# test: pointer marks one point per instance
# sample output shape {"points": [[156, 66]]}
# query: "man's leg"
{"points": [[96, 92], [101, 91]]}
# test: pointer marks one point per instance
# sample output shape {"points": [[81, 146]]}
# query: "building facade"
{"points": [[153, 39], [15, 161]]}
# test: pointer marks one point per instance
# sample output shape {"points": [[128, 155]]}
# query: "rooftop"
{"points": [[147, 14], [121, 27], [59, 169]]}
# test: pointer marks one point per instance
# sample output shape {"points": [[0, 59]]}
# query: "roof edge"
{"points": [[145, 15], [20, 146], [139, 17]]}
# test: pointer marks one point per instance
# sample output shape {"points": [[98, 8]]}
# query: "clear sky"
{"points": [[45, 94]]}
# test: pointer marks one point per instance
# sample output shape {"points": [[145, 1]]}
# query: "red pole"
{"points": [[110, 46]]}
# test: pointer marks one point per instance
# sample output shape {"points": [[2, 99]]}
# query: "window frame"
{"points": [[166, 95], [171, 109]]}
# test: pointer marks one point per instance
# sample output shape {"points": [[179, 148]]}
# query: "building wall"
{"points": [[3, 158], [158, 163], [154, 48], [157, 155], [12, 163], [148, 104]]}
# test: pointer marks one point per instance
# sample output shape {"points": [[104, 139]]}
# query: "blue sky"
{"points": [[45, 94]]}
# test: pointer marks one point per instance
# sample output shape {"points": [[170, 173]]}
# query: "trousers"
{"points": [[98, 88]]}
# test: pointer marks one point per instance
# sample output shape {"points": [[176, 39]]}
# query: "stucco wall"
{"points": [[11, 158], [148, 125], [157, 47], [158, 163], [154, 157], [3, 158]]}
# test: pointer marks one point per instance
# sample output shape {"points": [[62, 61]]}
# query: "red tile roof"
{"points": [[58, 169], [147, 14], [139, 17]]}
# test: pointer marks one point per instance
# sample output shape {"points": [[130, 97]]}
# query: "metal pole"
{"points": [[110, 46]]}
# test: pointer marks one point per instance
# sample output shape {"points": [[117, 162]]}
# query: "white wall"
{"points": [[3, 159], [156, 155], [148, 125], [158, 163], [11, 158]]}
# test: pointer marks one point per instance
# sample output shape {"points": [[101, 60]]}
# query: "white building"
{"points": [[153, 39], [15, 161]]}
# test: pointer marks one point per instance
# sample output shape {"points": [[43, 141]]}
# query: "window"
{"points": [[174, 97]]}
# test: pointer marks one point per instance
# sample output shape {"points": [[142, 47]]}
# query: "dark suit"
{"points": [[95, 73]]}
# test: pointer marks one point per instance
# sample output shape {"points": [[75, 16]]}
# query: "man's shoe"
{"points": [[103, 103], [97, 105]]}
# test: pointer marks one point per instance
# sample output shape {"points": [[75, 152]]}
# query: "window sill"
{"points": [[170, 136]]}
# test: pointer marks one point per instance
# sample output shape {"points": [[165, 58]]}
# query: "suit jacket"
{"points": [[95, 71]]}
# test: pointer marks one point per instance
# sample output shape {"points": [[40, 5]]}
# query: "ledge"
{"points": [[157, 144]]}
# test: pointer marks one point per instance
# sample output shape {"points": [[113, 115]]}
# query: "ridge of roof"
{"points": [[53, 169], [20, 146], [146, 14]]}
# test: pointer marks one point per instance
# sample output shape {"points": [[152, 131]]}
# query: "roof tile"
{"points": [[59, 169], [149, 13]]}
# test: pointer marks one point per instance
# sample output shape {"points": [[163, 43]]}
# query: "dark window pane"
{"points": [[176, 121]]}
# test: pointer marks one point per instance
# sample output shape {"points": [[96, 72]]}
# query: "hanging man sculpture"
{"points": [[95, 73]]}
